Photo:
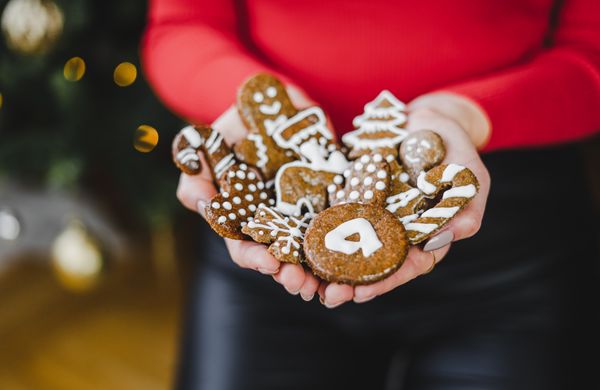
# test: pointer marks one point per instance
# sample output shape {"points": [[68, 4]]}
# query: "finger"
{"points": [[309, 287], [194, 192], [468, 222], [337, 294], [230, 125], [299, 98], [252, 255], [417, 263], [291, 276]]}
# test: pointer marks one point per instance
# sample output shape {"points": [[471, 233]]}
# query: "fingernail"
{"points": [[364, 299], [332, 305], [292, 291], [439, 241], [266, 271], [321, 300], [201, 206], [307, 298]]}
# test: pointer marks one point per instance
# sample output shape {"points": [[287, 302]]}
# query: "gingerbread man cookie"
{"points": [[284, 233], [355, 243], [378, 128], [302, 185], [420, 151], [367, 180], [456, 185]]}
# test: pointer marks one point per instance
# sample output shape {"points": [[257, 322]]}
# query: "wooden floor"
{"points": [[121, 335]]}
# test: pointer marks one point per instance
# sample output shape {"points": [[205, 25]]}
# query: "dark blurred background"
{"points": [[90, 229], [94, 247]]}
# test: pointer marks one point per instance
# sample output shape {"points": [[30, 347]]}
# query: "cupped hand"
{"points": [[194, 192], [460, 149]]}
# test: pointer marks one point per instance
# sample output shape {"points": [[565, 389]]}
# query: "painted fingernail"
{"points": [[201, 206], [439, 241], [363, 299], [266, 271], [307, 298], [332, 305]]}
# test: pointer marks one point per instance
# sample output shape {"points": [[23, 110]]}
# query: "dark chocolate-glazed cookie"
{"points": [[355, 244]]}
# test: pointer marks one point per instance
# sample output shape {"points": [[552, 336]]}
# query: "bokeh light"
{"points": [[10, 227], [145, 138], [76, 258], [1, 100], [74, 69], [125, 74]]}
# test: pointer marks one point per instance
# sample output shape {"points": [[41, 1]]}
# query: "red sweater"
{"points": [[538, 81]]}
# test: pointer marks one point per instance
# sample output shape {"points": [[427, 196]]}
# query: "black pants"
{"points": [[515, 307]]}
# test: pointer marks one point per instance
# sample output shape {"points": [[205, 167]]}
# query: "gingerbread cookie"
{"points": [[378, 128], [456, 185], [404, 200], [186, 145], [285, 234], [191, 140], [301, 186], [355, 244], [307, 125], [367, 180], [241, 188], [420, 151], [242, 191]]}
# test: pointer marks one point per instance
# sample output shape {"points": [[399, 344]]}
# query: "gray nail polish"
{"points": [[439, 241]]}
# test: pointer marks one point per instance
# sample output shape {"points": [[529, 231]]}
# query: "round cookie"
{"points": [[420, 151], [355, 244]]}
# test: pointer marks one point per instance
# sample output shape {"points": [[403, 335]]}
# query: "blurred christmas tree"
{"points": [[78, 135]]}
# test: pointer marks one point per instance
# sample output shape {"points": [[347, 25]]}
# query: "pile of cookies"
{"points": [[348, 212]]}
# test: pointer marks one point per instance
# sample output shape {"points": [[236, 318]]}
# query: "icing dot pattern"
{"points": [[227, 212], [367, 181]]}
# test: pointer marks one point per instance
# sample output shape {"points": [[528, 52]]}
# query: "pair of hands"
{"points": [[461, 124]]}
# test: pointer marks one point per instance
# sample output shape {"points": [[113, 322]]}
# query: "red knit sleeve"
{"points": [[553, 98], [193, 57]]}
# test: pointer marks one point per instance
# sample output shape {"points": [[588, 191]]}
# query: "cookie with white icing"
{"points": [[455, 185], [367, 180], [185, 148], [241, 192], [379, 129], [285, 234], [241, 188], [276, 128], [202, 139], [420, 151], [301, 186], [404, 200], [355, 244]]}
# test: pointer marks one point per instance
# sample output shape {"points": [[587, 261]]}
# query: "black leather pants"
{"points": [[515, 307]]}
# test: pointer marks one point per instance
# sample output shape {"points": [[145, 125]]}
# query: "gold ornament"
{"points": [[77, 258], [125, 74], [31, 26]]}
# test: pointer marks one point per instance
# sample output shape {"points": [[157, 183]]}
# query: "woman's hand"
{"points": [[462, 125], [194, 192]]}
